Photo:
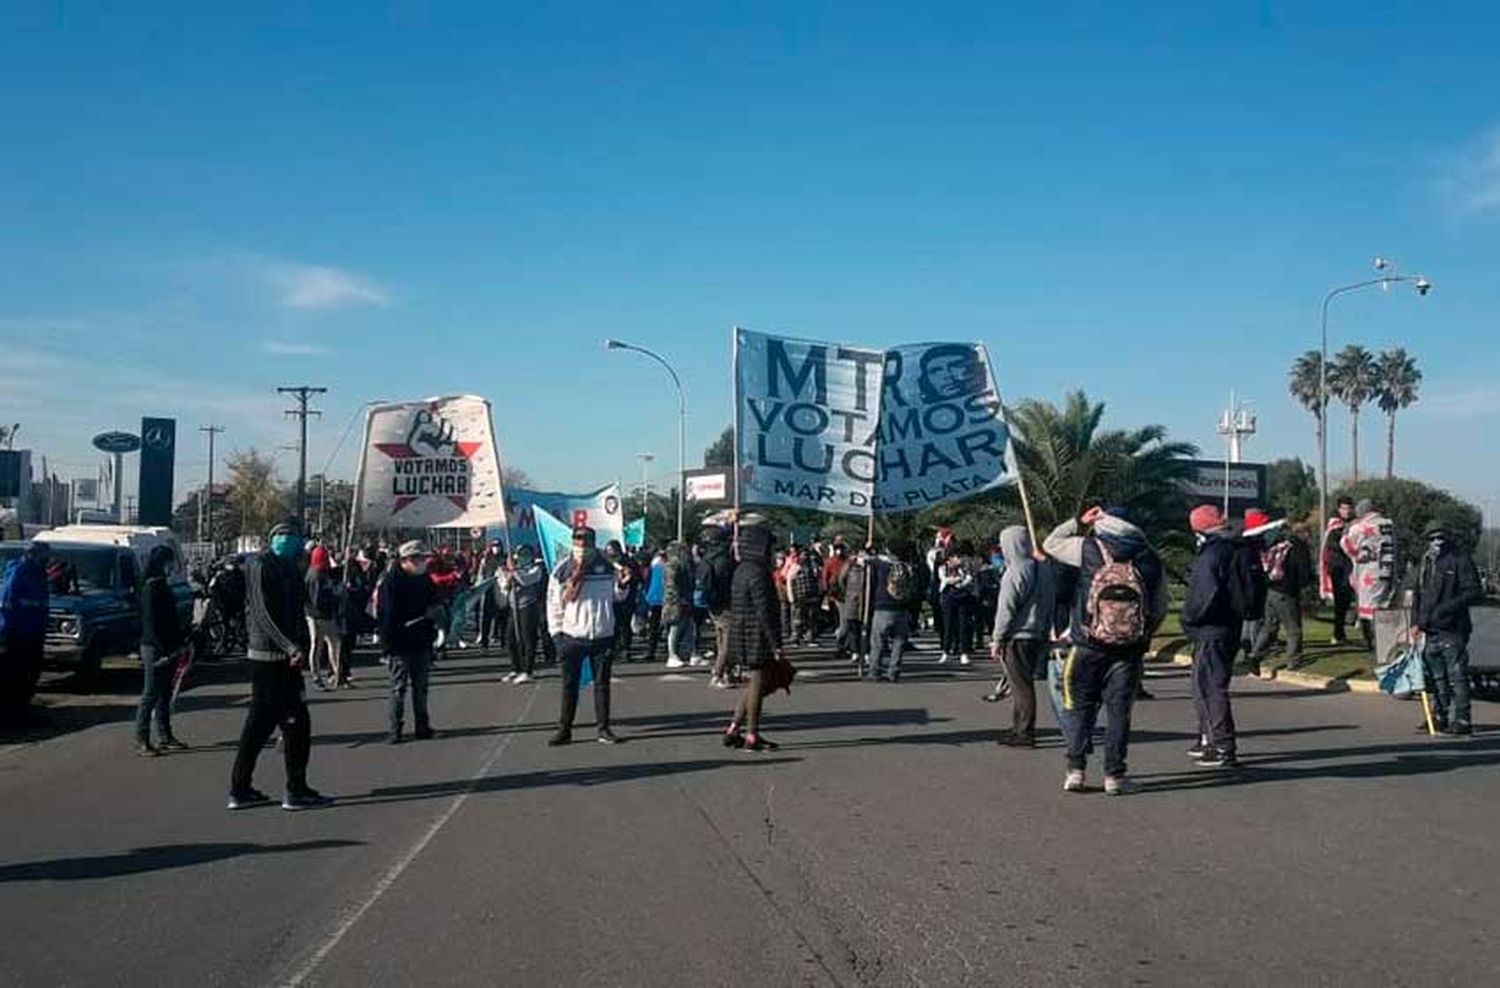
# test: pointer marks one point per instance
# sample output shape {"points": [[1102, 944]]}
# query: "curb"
{"points": [[1327, 684]]}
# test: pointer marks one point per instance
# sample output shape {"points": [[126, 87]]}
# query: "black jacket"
{"points": [[1447, 585], [161, 624], [1207, 613], [275, 608], [401, 615]]}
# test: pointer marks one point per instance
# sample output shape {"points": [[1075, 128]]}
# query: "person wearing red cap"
{"points": [[323, 589]]}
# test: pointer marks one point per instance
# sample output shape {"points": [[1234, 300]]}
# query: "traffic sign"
{"points": [[117, 442]]}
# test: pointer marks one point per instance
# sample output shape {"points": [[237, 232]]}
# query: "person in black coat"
{"points": [[1447, 586], [162, 637], [754, 630]]}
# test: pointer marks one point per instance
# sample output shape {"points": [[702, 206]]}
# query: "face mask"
{"points": [[1435, 545], [579, 552], [997, 560], [286, 546], [419, 568]]}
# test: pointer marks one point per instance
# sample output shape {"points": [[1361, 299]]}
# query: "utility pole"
{"points": [[303, 394], [212, 431]]}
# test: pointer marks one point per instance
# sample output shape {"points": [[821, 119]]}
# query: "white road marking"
{"points": [[351, 917]]}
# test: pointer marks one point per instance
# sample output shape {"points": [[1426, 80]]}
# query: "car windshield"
{"points": [[87, 567]]}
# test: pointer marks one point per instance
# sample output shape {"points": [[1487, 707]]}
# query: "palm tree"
{"points": [[1305, 382], [1067, 460], [1351, 376], [1397, 380]]}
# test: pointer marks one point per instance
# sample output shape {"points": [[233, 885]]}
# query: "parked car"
{"points": [[94, 609]]}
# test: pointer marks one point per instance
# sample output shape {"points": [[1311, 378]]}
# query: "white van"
{"points": [[141, 539]]}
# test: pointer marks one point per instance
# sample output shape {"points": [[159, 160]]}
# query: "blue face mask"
{"points": [[286, 546], [997, 561]]}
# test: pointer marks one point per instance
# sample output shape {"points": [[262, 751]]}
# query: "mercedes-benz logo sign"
{"points": [[158, 437]]}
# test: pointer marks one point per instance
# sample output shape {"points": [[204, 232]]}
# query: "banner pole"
{"points": [[359, 483], [1010, 447], [734, 440]]}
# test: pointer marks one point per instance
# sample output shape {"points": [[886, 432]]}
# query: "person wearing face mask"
{"points": [[525, 586], [408, 604], [275, 602], [1447, 586], [581, 601]]}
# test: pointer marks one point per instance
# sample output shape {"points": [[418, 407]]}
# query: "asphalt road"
{"points": [[889, 842]]}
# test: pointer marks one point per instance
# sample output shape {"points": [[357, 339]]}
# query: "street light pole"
{"points": [[645, 459], [681, 424], [1423, 286]]}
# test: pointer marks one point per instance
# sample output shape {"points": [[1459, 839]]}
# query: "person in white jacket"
{"points": [[581, 599]]}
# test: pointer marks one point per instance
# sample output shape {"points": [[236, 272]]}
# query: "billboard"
{"points": [[713, 485], [158, 464], [1246, 483]]}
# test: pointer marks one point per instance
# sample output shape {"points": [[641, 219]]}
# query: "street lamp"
{"points": [[645, 459], [1385, 281], [681, 423]]}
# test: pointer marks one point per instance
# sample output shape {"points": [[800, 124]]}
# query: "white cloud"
{"points": [[281, 348], [1459, 404], [1472, 179], [312, 286]]}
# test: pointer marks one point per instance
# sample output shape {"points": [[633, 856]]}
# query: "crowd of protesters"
{"points": [[1078, 611]]}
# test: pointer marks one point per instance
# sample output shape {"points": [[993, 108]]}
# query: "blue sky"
{"points": [[405, 199]]}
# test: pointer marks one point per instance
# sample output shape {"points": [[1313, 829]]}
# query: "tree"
{"points": [[1351, 376], [515, 477], [1305, 382], [1397, 380], [1411, 505], [721, 453], [1293, 487], [1068, 461], [257, 497]]}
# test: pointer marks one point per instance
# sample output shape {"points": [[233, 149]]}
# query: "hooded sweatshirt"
{"points": [[1024, 608], [1082, 552]]}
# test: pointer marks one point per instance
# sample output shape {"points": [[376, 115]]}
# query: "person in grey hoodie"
{"points": [[1022, 617]]}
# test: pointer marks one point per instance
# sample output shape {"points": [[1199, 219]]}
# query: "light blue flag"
{"points": [[556, 538], [557, 545], [635, 534]]}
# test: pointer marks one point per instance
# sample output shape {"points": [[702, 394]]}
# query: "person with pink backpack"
{"points": [[1120, 600]]}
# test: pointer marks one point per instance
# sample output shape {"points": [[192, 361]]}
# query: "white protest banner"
{"points": [[942, 432], [430, 464], [600, 510], [805, 417], [860, 431]]}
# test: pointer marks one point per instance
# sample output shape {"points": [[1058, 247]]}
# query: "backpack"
{"points": [[1247, 584], [901, 582], [1116, 603], [1273, 561]]}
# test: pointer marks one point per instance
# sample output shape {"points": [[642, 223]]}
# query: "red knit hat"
{"points": [[1205, 518], [1256, 518], [319, 560]]}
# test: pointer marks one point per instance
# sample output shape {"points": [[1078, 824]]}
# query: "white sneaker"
{"points": [[942, 659], [522, 678], [1074, 781], [1120, 785], [675, 663], [509, 677], [697, 660], [963, 660], [721, 683]]}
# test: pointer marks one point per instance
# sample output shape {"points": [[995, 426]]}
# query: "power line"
{"points": [[303, 393]]}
